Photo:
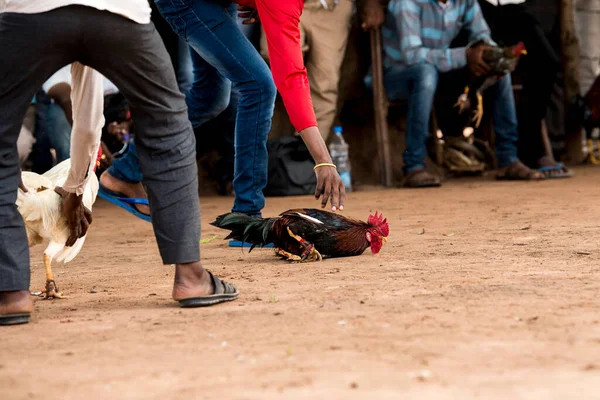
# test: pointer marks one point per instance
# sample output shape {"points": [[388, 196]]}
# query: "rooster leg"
{"points": [[52, 291], [287, 255], [478, 115], [461, 103], [310, 253]]}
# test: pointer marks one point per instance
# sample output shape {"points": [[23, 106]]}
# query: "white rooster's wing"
{"points": [[31, 180], [34, 183], [59, 172], [58, 175], [90, 192]]}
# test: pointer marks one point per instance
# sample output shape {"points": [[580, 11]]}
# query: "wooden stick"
{"points": [[380, 107]]}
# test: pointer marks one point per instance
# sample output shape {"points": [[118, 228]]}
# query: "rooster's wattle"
{"points": [[308, 234]]}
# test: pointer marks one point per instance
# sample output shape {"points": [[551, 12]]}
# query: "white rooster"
{"points": [[41, 207]]}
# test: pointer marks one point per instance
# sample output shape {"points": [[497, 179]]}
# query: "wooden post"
{"points": [[380, 108], [570, 61]]}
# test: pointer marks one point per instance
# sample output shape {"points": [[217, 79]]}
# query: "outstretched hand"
{"points": [[249, 15], [330, 186], [78, 216]]}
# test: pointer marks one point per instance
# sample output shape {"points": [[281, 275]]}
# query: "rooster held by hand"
{"points": [[501, 61], [308, 234], [41, 208]]}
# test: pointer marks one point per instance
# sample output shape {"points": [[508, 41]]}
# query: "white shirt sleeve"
{"points": [[87, 97]]}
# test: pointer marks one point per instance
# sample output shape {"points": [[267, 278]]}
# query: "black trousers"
{"points": [[33, 47], [511, 24]]}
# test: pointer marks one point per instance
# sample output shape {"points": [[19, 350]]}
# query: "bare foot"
{"points": [[15, 302], [131, 190], [191, 280]]}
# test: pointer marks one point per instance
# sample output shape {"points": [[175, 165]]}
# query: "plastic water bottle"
{"points": [[338, 148]]}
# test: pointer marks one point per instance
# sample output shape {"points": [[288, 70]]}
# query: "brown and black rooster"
{"points": [[308, 234], [502, 61]]}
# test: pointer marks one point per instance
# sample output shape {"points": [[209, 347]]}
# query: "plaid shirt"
{"points": [[420, 31]]}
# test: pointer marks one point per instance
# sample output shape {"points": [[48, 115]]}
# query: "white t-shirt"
{"points": [[505, 2], [63, 75], [135, 10]]}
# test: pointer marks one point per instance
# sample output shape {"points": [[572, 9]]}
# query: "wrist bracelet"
{"points": [[324, 165]]}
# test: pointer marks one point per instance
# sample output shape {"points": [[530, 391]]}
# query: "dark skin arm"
{"points": [[329, 184], [61, 94], [78, 216]]}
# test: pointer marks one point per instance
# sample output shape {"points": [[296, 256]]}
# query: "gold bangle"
{"points": [[324, 165]]}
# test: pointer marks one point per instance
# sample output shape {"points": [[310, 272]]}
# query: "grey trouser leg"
{"points": [[134, 58], [31, 52]]}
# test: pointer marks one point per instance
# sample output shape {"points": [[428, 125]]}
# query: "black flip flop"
{"points": [[14, 319], [224, 291]]}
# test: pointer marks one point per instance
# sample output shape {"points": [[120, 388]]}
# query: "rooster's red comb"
{"points": [[519, 49], [378, 221]]}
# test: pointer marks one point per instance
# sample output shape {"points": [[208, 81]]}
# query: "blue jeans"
{"points": [[224, 57], [127, 167], [183, 68], [58, 132], [418, 84]]}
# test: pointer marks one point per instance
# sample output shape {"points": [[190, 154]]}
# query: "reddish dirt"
{"points": [[497, 299]]}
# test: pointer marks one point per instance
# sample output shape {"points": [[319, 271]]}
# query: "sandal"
{"points": [[126, 203], [14, 319], [518, 171], [420, 178], [224, 291], [553, 170]]}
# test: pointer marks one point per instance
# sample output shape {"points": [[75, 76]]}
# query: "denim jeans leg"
{"points": [[209, 94], [184, 71], [127, 167], [58, 130], [417, 84], [212, 31], [505, 122]]}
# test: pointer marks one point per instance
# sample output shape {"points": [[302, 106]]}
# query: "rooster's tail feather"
{"points": [[69, 253], [245, 228]]}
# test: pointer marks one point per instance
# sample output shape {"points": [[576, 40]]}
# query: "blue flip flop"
{"points": [[238, 243], [126, 203], [557, 167]]}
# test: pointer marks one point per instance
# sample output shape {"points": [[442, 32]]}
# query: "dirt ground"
{"points": [[485, 290]]}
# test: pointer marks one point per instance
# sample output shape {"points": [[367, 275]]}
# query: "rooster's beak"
{"points": [[384, 239]]}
